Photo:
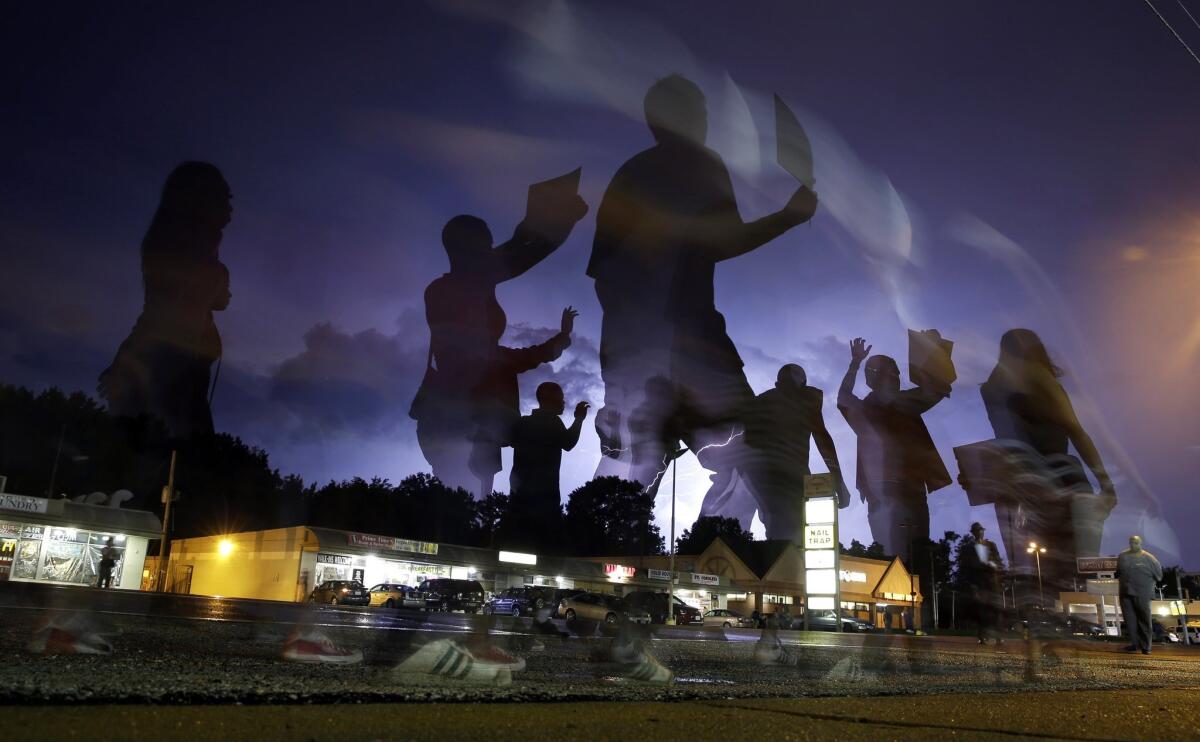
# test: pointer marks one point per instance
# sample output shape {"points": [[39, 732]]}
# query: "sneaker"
{"points": [[316, 647], [449, 659], [495, 655], [775, 654], [650, 670], [54, 640], [626, 653]]}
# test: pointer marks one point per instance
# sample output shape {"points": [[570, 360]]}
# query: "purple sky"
{"points": [[980, 167]]}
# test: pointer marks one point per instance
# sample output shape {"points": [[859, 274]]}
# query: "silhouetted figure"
{"points": [[779, 423], [164, 368], [898, 465], [1053, 503], [469, 399], [1138, 572], [535, 499], [108, 562], [667, 218], [981, 569]]}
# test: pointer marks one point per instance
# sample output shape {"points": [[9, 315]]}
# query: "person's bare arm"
{"points": [[572, 435], [828, 451], [859, 350], [1064, 411]]}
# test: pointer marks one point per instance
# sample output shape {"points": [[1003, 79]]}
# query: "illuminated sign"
{"points": [[517, 557], [819, 559], [850, 576], [370, 541], [821, 603], [659, 574], [23, 503], [818, 537], [820, 581], [338, 559], [1096, 564], [619, 570], [706, 579]]}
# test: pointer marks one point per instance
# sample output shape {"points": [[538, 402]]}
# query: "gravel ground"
{"points": [[172, 660]]}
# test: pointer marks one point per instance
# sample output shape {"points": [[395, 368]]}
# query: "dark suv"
{"points": [[451, 595], [656, 605], [340, 592]]}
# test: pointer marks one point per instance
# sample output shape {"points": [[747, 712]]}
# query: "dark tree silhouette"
{"points": [[874, 551], [613, 517], [708, 527]]}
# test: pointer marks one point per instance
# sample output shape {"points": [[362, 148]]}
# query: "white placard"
{"points": [[819, 511], [819, 537], [821, 603], [820, 581], [819, 559]]}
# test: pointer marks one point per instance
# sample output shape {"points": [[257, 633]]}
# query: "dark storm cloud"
{"points": [[358, 384], [577, 371]]}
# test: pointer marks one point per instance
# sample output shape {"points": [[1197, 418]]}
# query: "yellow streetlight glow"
{"points": [[225, 547]]}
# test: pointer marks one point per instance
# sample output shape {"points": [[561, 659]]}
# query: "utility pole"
{"points": [[164, 545], [54, 469], [1182, 604], [670, 619]]}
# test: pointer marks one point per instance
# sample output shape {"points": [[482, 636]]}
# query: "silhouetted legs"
{"points": [[899, 518]]}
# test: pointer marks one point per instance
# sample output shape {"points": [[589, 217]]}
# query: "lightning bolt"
{"points": [[666, 460], [610, 451]]}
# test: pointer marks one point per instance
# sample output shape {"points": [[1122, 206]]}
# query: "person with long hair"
{"points": [[1034, 420], [163, 369]]}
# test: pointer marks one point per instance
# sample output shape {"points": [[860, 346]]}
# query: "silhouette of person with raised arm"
{"points": [[1033, 418], [667, 218], [163, 369], [468, 400], [779, 424], [538, 442], [898, 465]]}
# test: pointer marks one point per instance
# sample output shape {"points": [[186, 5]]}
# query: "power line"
{"points": [[1189, 13], [1172, 29]]}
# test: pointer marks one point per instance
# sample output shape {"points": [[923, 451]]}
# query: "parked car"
{"points": [[1040, 623], [600, 607], [443, 594], [1164, 635], [727, 618], [515, 601], [656, 605], [340, 592], [826, 620], [395, 595]]}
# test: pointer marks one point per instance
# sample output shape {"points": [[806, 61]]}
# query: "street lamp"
{"points": [[1037, 552]]}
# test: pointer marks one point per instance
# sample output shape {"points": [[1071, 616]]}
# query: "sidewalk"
{"points": [[1165, 714]]}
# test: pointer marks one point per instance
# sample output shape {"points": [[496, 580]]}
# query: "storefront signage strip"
{"points": [[658, 574], [371, 541], [706, 579], [23, 503]]}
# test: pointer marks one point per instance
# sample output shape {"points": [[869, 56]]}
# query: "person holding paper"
{"points": [[1027, 405], [667, 219], [981, 568], [469, 399], [898, 465]]}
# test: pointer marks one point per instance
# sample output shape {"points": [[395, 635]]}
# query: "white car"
{"points": [[727, 619]]}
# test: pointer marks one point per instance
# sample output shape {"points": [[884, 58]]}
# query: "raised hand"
{"points": [[859, 350], [581, 410], [568, 320]]}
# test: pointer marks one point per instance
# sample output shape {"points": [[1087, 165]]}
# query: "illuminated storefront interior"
{"points": [[59, 541]]}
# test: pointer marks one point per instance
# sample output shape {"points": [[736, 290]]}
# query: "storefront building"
{"points": [[768, 576], [58, 541], [287, 563]]}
